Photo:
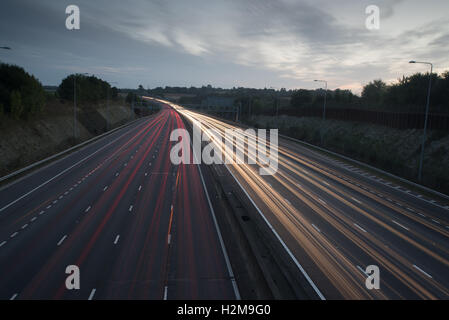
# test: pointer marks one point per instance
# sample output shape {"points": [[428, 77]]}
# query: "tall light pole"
{"points": [[424, 136], [324, 107], [74, 102]]}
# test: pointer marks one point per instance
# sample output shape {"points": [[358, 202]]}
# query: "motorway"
{"points": [[137, 226], [334, 220]]}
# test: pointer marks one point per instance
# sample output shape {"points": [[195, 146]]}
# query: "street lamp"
{"points": [[324, 106], [421, 159], [74, 102]]}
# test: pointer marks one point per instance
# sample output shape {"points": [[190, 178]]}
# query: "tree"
{"points": [[374, 91], [300, 98], [16, 105]]}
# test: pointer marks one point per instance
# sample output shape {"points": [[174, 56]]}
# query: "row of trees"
{"points": [[409, 93], [88, 88], [21, 94]]}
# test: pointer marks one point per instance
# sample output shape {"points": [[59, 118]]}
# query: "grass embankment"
{"points": [[395, 151]]}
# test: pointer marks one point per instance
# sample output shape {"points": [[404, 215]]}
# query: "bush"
{"points": [[16, 105]]}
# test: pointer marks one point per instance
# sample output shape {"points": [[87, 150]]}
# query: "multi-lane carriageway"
{"points": [[140, 227], [136, 225]]}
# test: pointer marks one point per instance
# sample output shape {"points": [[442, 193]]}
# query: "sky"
{"points": [[226, 43]]}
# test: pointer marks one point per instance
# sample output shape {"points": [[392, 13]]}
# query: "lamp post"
{"points": [[324, 107], [424, 137], [74, 102]]}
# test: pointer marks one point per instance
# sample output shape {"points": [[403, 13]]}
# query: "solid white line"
{"points": [[2, 244], [88, 208], [317, 229], [309, 280], [92, 294], [165, 292], [359, 227], [130, 208], [116, 239], [421, 270], [14, 234], [14, 296], [400, 225], [360, 268], [359, 202], [220, 238], [62, 240]]}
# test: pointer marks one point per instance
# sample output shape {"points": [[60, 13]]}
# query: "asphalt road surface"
{"points": [[335, 220], [137, 226]]}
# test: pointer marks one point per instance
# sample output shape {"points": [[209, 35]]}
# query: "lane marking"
{"points": [[400, 225], [359, 202], [49, 206], [42, 212], [359, 227], [62, 240], [436, 221], [24, 226], [165, 292], [14, 296], [2, 244], [130, 208], [287, 201], [169, 239], [116, 174], [116, 239], [322, 201], [92, 293], [33, 219], [422, 271], [140, 187], [88, 208], [105, 188], [317, 229], [14, 234], [361, 269]]}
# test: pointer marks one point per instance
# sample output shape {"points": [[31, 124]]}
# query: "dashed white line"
{"points": [[14, 234], [287, 201], [116, 239], [422, 215], [24, 226], [49, 206], [436, 221], [322, 201], [317, 229], [66, 193], [327, 184], [87, 209], [165, 292], [422, 271], [140, 187], [105, 188], [2, 244], [116, 174], [55, 201], [400, 225], [146, 173], [14, 296], [62, 240], [92, 293], [359, 202], [359, 227], [169, 239], [42, 212], [130, 208], [33, 219], [60, 197]]}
